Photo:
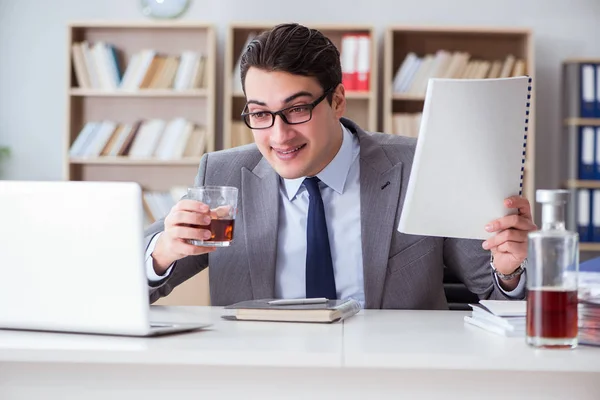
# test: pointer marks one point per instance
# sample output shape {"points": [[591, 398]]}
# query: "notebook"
{"points": [[261, 310], [469, 157]]}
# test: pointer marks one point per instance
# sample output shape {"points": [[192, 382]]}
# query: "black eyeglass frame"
{"points": [[273, 114]]}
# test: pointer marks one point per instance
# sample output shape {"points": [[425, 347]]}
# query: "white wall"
{"points": [[33, 56]]}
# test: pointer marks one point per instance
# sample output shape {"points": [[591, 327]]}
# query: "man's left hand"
{"points": [[509, 245]]}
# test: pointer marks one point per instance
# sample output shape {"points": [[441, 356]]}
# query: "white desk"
{"points": [[376, 354]]}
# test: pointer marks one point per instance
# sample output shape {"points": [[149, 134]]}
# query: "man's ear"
{"points": [[338, 101]]}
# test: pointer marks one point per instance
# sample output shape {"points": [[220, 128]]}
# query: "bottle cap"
{"points": [[556, 196]]}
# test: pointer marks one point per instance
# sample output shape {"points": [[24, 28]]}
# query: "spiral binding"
{"points": [[525, 135]]}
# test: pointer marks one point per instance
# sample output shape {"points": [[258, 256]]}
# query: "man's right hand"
{"points": [[186, 220]]}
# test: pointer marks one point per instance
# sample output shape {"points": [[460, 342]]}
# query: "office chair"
{"points": [[457, 294]]}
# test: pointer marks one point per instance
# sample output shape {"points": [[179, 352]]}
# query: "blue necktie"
{"points": [[320, 281]]}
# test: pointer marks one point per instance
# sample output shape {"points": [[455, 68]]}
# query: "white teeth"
{"points": [[291, 151]]}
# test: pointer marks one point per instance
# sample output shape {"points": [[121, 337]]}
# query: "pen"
{"points": [[286, 302]]}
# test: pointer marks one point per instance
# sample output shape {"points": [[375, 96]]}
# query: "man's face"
{"points": [[300, 149]]}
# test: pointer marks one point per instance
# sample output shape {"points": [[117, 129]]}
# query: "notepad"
{"points": [[261, 310], [469, 157]]}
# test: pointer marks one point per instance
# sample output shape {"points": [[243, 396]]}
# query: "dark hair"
{"points": [[295, 49]]}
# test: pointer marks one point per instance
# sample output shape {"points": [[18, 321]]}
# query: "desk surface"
{"points": [[382, 339]]}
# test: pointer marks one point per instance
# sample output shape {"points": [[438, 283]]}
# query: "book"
{"points": [[260, 310], [469, 156]]}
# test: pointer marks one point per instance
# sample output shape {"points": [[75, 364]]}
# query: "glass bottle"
{"points": [[552, 269]]}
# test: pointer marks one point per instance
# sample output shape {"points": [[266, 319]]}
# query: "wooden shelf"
{"points": [[461, 30], [582, 121], [135, 161], [128, 43], [159, 24], [139, 93], [587, 246], [582, 184], [408, 97], [361, 106], [582, 61]]}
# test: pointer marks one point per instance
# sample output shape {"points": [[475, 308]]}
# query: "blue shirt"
{"points": [[340, 190]]}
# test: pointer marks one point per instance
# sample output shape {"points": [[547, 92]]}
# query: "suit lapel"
{"points": [[260, 210], [380, 182]]}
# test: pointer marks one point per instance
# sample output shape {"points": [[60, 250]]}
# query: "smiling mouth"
{"points": [[290, 151]]}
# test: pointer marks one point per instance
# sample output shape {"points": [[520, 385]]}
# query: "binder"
{"points": [[588, 91], [363, 62], [584, 210], [595, 215], [581, 90], [349, 60], [587, 166], [469, 157], [597, 90], [597, 155]]}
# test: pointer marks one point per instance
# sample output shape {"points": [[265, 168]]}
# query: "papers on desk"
{"points": [[503, 317], [589, 284], [508, 318]]}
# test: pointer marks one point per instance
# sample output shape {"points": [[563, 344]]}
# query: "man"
{"points": [[335, 233]]}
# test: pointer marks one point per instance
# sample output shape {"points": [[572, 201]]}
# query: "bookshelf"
{"points": [[581, 158], [361, 104], [412, 54], [144, 95]]}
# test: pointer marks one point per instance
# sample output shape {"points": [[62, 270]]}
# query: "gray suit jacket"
{"points": [[400, 271]]}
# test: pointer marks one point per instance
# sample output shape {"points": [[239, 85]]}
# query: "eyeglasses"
{"points": [[297, 114]]}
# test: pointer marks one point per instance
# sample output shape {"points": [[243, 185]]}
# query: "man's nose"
{"points": [[280, 131]]}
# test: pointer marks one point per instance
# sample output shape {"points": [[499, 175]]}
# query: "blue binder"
{"points": [[595, 213], [588, 96], [597, 155], [587, 150], [597, 90], [584, 212]]}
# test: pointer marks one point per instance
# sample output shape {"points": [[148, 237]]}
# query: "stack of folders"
{"points": [[503, 317], [300, 310]]}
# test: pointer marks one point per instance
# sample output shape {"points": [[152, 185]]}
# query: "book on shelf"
{"points": [[406, 124], [414, 72], [236, 80], [157, 204], [98, 66], [157, 139], [240, 134], [263, 310]]}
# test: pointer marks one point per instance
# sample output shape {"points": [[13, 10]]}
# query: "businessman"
{"points": [[320, 201]]}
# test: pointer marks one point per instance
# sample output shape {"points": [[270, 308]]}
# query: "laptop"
{"points": [[72, 259]]}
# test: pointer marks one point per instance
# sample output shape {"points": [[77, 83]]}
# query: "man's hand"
{"points": [[509, 245], [186, 220]]}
